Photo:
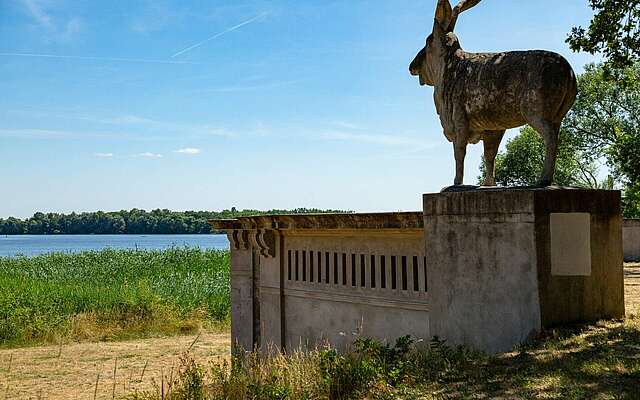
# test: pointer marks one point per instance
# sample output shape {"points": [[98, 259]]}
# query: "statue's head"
{"points": [[429, 61]]}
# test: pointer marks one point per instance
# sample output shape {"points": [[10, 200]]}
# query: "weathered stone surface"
{"points": [[491, 274], [397, 220], [480, 95], [476, 267], [324, 277], [631, 239]]}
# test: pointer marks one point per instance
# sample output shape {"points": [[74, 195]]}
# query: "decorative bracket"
{"points": [[239, 239], [265, 241]]}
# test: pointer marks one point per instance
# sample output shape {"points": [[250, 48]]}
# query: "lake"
{"points": [[30, 245]]}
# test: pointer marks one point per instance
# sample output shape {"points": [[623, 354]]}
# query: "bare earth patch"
{"points": [[71, 371], [632, 288]]}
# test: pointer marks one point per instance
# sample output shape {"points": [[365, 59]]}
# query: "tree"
{"points": [[631, 202], [133, 222], [521, 163], [614, 31]]}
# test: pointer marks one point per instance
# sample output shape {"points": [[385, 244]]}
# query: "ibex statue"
{"points": [[480, 95]]}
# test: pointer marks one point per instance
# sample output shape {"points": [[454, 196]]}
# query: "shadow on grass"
{"points": [[601, 361]]}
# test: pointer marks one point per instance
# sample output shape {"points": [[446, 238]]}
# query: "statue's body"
{"points": [[480, 95]]}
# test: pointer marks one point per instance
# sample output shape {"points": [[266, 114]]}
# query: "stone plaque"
{"points": [[570, 244]]}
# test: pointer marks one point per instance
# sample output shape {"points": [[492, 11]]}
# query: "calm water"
{"points": [[30, 245]]}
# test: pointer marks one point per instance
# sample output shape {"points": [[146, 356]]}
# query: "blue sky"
{"points": [[238, 103]]}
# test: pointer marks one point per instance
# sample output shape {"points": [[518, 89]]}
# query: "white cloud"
{"points": [[104, 155], [244, 88], [38, 13], [130, 119], [154, 16], [73, 26], [189, 150], [347, 125], [58, 30], [382, 139], [115, 59], [149, 154], [34, 133]]}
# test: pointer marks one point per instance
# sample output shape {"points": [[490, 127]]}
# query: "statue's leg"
{"points": [[460, 152], [461, 126], [491, 141], [550, 132]]}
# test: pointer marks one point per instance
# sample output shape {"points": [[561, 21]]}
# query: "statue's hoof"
{"points": [[543, 184], [459, 188]]}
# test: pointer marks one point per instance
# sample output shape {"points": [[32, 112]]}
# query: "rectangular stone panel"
{"points": [[570, 244], [631, 239]]}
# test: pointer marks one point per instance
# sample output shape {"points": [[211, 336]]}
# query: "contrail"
{"points": [[217, 35], [132, 60]]}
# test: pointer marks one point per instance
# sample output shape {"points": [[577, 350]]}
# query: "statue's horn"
{"points": [[461, 7]]}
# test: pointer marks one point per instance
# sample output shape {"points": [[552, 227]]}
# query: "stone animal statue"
{"points": [[480, 95]]}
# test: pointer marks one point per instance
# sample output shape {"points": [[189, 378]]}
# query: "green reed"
{"points": [[46, 297]]}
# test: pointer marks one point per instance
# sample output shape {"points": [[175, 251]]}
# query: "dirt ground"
{"points": [[71, 371], [632, 288]]}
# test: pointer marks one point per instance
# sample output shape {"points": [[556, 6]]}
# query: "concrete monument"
{"points": [[480, 95], [488, 268]]}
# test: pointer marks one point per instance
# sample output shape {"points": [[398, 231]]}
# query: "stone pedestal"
{"points": [[502, 264]]}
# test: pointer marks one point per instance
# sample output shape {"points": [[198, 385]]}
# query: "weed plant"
{"points": [[598, 361], [367, 368], [111, 294]]}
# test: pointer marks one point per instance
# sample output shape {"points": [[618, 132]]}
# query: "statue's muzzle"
{"points": [[416, 65], [414, 69]]}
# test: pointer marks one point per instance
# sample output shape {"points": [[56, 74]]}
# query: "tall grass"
{"points": [[111, 294], [598, 361], [369, 369]]}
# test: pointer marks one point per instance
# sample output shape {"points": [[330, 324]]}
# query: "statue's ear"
{"points": [[444, 14]]}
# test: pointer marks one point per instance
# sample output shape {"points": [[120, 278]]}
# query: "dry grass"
{"points": [[71, 371], [632, 288]]}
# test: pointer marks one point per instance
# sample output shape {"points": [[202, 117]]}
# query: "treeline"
{"points": [[130, 222]]}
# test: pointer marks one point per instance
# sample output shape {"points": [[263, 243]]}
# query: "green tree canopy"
{"points": [[130, 222], [614, 31]]}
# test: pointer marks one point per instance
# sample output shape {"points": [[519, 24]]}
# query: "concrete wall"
{"points": [[340, 286], [481, 254], [242, 294], [303, 281], [576, 296], [631, 239], [503, 264], [487, 268]]}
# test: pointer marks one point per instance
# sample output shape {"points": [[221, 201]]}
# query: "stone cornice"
{"points": [[396, 220]]}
